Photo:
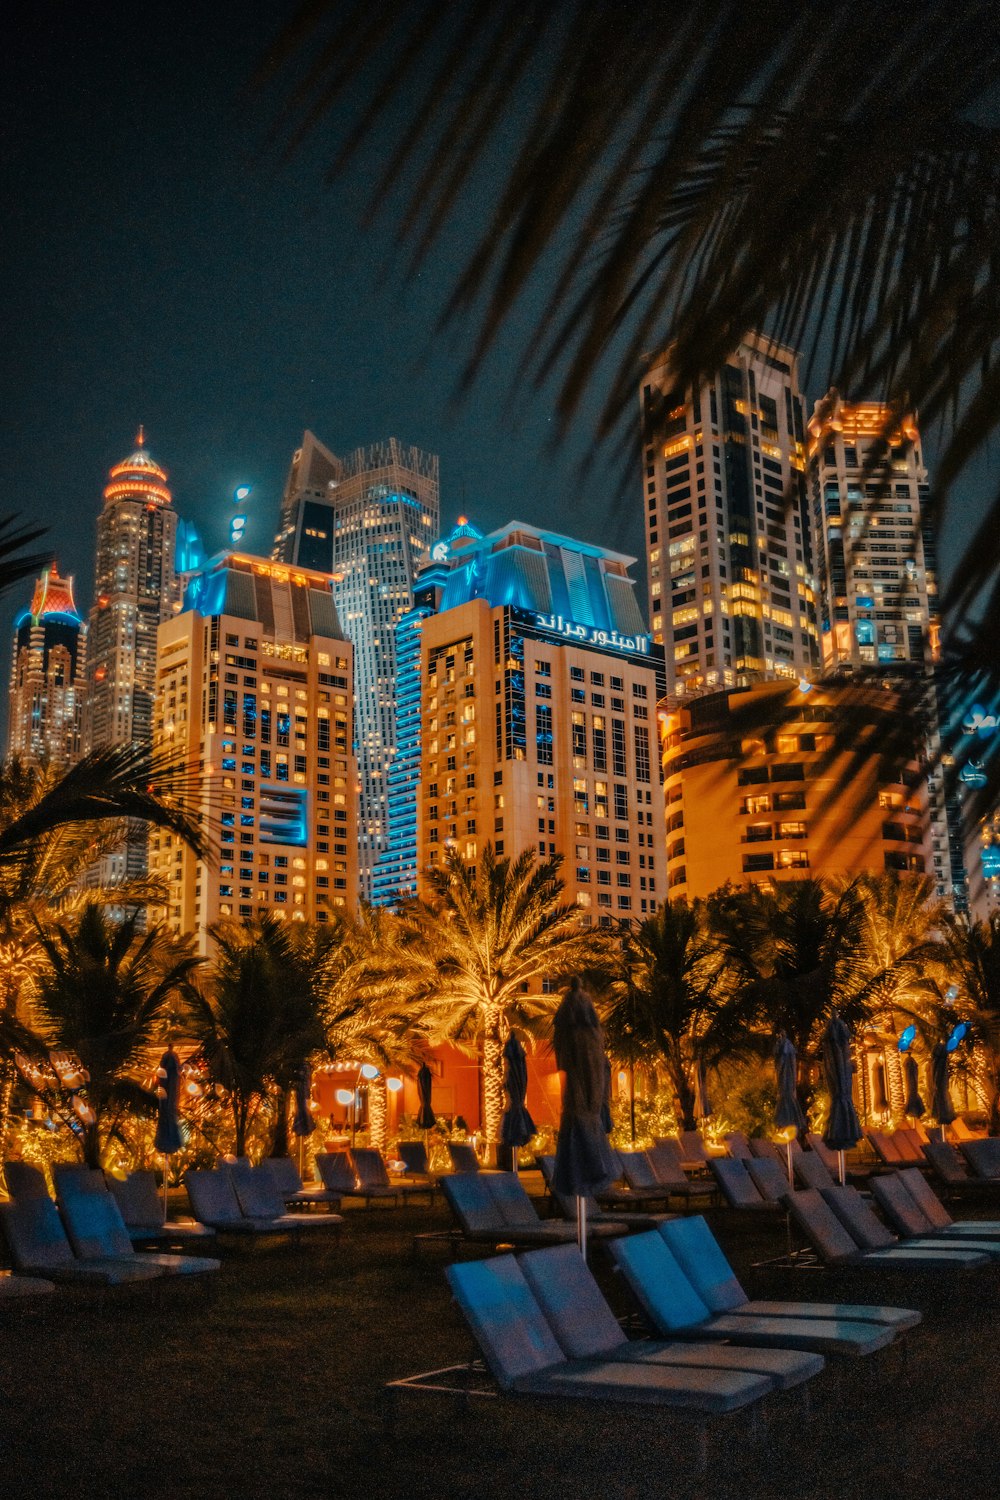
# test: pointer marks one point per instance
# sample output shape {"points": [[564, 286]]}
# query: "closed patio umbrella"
{"points": [[941, 1106], [843, 1128], [426, 1118], [516, 1125], [584, 1164], [168, 1137], [702, 1103], [913, 1105], [787, 1113], [303, 1123]]}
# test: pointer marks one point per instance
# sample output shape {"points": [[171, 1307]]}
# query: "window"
{"points": [[543, 735], [791, 830], [579, 739], [618, 747], [642, 763], [600, 739], [621, 800], [793, 859], [756, 862]]}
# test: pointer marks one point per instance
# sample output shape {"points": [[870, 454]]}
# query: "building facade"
{"points": [[47, 677], [368, 520], [539, 686], [254, 693], [135, 589], [773, 783], [731, 593]]}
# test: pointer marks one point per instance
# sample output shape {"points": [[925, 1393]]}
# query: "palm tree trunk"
{"points": [[279, 1137], [683, 1091], [894, 1083], [378, 1113], [492, 1079], [241, 1115], [7, 1080]]}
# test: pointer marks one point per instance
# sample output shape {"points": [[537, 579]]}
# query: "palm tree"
{"points": [[258, 1020], [485, 942], [664, 1003], [972, 960], [830, 172], [101, 992], [791, 955]]}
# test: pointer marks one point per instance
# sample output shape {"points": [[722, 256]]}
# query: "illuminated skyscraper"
{"points": [[254, 695], [368, 520], [135, 588], [46, 679], [730, 587]]}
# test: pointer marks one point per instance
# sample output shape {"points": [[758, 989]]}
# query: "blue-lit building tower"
{"points": [[47, 677], [368, 520], [396, 873]]}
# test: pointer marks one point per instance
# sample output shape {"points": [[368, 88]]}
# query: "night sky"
{"points": [[161, 266]]}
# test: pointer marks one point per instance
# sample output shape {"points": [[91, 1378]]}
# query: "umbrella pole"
{"points": [[842, 1162], [166, 1169], [513, 1154], [581, 1225], [791, 1184]]}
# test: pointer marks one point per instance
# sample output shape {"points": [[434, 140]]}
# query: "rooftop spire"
{"points": [[140, 436]]}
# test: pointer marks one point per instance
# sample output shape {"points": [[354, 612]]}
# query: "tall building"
{"points": [[539, 684], [254, 693], [757, 787], [135, 588], [876, 570], [47, 676], [731, 593], [369, 520]]}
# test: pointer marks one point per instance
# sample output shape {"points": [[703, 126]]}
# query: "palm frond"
{"points": [[16, 564]]}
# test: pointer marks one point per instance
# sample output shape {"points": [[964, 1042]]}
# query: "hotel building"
{"points": [[47, 677], [731, 593], [135, 589], [538, 688], [777, 782], [254, 692], [368, 520]]}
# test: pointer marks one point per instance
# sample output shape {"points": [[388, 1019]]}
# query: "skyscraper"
{"points": [[369, 520], [539, 685], [731, 595], [876, 572], [135, 588], [254, 695], [47, 676]]}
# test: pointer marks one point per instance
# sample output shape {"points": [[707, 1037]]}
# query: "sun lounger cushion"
{"points": [[738, 1145], [463, 1157], [811, 1170], [828, 1236], [413, 1155], [25, 1181], [72, 1180], [336, 1172], [284, 1175], [770, 1178], [865, 1228], [947, 1163], [983, 1157], [738, 1187], [12, 1287], [37, 1243], [934, 1210], [816, 1143]]}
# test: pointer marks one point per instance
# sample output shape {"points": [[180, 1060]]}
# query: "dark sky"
{"points": [[160, 267]]}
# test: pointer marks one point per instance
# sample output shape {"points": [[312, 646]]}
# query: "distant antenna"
{"points": [[141, 435]]}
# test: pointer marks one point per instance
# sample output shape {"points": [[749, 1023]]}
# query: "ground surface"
{"points": [[274, 1388]]}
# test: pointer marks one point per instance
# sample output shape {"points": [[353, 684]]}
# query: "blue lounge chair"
{"points": [[586, 1328], [935, 1212], [501, 1213], [96, 1231], [673, 1307], [912, 1224], [821, 1218], [523, 1354], [738, 1187], [700, 1257], [38, 1246], [260, 1200]]}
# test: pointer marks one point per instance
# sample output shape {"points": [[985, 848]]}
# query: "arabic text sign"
{"points": [[592, 635]]}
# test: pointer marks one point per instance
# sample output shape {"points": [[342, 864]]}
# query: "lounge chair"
{"points": [[38, 1246], [259, 1199], [72, 1179], [673, 1307], [523, 1354], [214, 1202], [771, 1178], [141, 1208], [738, 1145], [666, 1148], [627, 1222], [913, 1226], [693, 1153], [935, 1212], [491, 1213], [761, 1147], [285, 1177], [811, 1171], [950, 1169], [413, 1155], [701, 1259], [660, 1181], [738, 1187], [586, 1328], [463, 1157], [373, 1176], [824, 1229], [816, 1143], [25, 1181], [96, 1231], [983, 1157], [911, 1146], [885, 1148]]}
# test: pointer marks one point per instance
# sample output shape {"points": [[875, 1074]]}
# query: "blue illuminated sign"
{"points": [[592, 635]]}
